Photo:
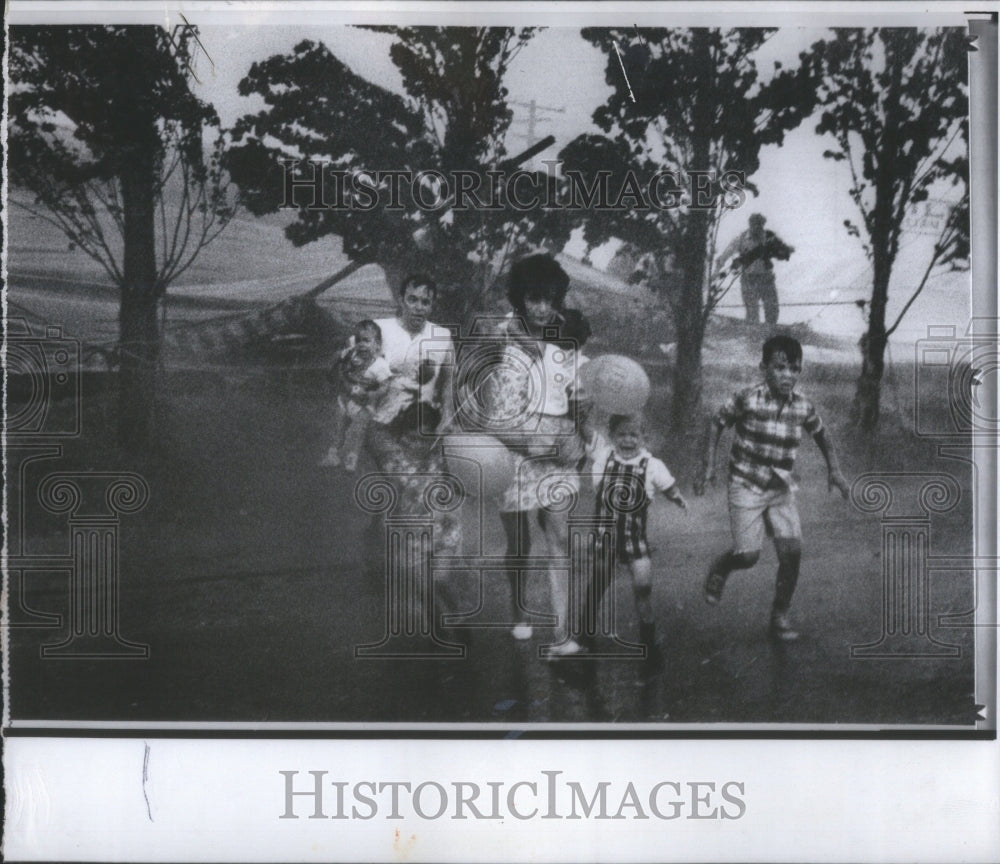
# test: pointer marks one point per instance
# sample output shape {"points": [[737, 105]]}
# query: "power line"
{"points": [[858, 303]]}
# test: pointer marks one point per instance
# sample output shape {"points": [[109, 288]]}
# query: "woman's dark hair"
{"points": [[418, 280], [537, 277], [575, 326]]}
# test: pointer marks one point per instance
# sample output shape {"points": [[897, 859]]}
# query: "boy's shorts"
{"points": [[751, 510]]}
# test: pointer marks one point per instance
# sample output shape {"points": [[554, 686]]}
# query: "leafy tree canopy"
{"points": [[87, 105], [693, 101], [690, 103], [452, 117], [894, 102]]}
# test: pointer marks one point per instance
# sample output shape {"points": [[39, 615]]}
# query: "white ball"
{"points": [[482, 463], [615, 384]]}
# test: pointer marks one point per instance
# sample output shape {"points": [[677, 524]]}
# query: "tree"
{"points": [[453, 117], [951, 247], [108, 137], [894, 102], [692, 104]]}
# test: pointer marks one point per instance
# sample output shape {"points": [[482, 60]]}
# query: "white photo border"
{"points": [[828, 792]]}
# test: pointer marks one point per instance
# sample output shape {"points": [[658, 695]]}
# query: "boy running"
{"points": [[626, 478], [769, 418]]}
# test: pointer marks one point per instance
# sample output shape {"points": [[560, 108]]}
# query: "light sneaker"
{"points": [[350, 461], [522, 631], [781, 627], [565, 649], [331, 459]]}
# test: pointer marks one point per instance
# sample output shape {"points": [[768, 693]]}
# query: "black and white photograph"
{"points": [[521, 376]]}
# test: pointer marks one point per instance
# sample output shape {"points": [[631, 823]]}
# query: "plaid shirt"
{"points": [[768, 433]]}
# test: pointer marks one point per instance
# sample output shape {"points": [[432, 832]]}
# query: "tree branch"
{"points": [[946, 238]]}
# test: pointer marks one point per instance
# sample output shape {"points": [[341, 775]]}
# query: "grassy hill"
{"points": [[252, 266]]}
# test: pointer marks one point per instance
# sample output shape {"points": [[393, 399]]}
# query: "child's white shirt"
{"points": [[376, 372], [658, 476], [406, 352]]}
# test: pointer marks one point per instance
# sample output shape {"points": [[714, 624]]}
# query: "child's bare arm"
{"points": [[582, 410], [674, 496], [835, 479], [713, 433], [445, 396]]}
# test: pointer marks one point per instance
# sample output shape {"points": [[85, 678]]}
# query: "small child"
{"points": [[361, 374], [769, 418], [626, 478]]}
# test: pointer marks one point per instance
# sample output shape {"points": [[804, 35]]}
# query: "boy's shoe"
{"points": [[331, 459], [522, 631], [565, 649], [714, 585], [781, 627], [350, 461]]}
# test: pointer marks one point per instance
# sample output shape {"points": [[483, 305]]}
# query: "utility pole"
{"points": [[533, 119]]}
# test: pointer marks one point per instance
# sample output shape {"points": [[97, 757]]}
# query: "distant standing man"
{"points": [[756, 249]]}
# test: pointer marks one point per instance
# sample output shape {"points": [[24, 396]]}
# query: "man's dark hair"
{"points": [[418, 280], [368, 326], [537, 277], [788, 345]]}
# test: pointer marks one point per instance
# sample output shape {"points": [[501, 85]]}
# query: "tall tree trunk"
{"points": [[867, 395], [686, 405], [690, 323], [691, 254], [138, 326]]}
